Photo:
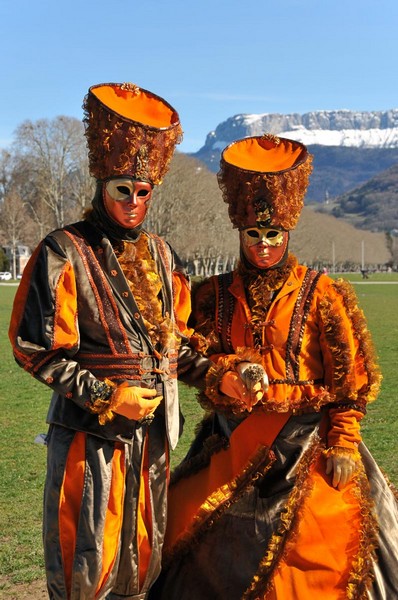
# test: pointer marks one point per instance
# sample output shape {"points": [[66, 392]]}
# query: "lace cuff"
{"points": [[102, 400], [342, 451]]}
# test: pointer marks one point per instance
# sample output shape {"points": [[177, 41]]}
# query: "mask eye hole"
{"points": [[143, 193], [119, 189], [124, 189], [253, 233], [272, 234]]}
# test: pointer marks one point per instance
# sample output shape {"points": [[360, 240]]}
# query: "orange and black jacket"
{"points": [[75, 324]]}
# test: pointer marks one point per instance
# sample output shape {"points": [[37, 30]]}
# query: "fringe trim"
{"points": [[342, 451], [284, 536], [145, 283], [340, 349], [219, 501], [214, 376], [344, 380], [361, 574], [362, 334]]}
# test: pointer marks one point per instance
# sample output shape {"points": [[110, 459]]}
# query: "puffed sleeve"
{"points": [[192, 364], [44, 329], [351, 371]]}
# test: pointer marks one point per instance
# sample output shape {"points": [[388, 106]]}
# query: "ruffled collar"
{"points": [[269, 279], [261, 287]]}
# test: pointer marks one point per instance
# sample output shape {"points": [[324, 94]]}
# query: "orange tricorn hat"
{"points": [[129, 131], [264, 180]]}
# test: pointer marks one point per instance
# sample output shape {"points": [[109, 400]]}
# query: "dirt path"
{"points": [[36, 590]]}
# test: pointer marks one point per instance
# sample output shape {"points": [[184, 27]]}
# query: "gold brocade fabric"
{"points": [[119, 145], [145, 284]]}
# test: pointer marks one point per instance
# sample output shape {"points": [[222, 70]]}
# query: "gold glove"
{"points": [[342, 464]]}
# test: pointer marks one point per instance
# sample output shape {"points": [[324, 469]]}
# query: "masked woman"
{"points": [[278, 497]]}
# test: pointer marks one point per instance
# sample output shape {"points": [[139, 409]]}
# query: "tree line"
{"points": [[45, 184]]}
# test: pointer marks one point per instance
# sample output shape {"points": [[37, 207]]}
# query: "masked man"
{"points": [[100, 317], [278, 498]]}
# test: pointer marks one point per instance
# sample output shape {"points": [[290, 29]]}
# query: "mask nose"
{"points": [[264, 241], [133, 198]]}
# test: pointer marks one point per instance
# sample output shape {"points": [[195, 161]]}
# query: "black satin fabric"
{"points": [[221, 563]]}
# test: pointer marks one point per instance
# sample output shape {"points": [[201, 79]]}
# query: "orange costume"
{"points": [[100, 317], [259, 508]]}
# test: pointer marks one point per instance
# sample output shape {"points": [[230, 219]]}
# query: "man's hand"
{"points": [[343, 467], [135, 402]]}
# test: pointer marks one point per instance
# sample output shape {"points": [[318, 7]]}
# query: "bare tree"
{"points": [[53, 149], [24, 183], [82, 187], [14, 224], [6, 172], [188, 211]]}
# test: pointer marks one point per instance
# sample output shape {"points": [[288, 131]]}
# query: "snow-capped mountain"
{"points": [[326, 128], [349, 147]]}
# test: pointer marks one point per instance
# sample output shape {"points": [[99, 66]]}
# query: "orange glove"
{"points": [[134, 402], [232, 385]]}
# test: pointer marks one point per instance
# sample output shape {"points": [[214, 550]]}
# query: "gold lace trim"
{"points": [[338, 342], [220, 500], [260, 287], [145, 284]]}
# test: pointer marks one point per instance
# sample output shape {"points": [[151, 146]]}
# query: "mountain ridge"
{"points": [[349, 147], [310, 128]]}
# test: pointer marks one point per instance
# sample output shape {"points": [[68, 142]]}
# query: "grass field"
{"points": [[23, 403]]}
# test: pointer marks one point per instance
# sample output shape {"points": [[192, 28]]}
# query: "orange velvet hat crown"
{"points": [[129, 131], [264, 180]]}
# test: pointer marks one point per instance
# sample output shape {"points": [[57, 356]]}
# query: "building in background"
{"points": [[17, 259]]}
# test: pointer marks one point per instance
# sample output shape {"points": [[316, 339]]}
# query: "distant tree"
{"points": [[4, 261], [82, 188], [14, 223], [6, 172], [188, 211], [49, 155]]}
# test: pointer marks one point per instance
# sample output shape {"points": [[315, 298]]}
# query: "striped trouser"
{"points": [[104, 513]]}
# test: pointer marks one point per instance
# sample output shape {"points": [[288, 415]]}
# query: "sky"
{"points": [[210, 59]]}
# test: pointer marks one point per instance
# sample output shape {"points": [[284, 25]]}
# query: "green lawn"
{"points": [[24, 404]]}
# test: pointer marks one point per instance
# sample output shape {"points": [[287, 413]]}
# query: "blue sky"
{"points": [[211, 59]]}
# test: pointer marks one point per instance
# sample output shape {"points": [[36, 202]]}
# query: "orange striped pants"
{"points": [[104, 513]]}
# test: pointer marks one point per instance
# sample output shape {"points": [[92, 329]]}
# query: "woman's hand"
{"points": [[343, 467]]}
